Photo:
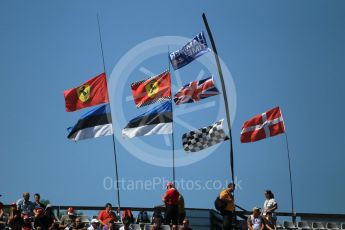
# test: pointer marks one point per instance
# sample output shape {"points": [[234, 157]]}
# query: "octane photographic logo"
{"points": [[135, 62]]}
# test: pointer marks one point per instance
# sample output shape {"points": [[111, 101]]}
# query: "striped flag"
{"points": [[195, 91], [267, 124], [95, 123]]}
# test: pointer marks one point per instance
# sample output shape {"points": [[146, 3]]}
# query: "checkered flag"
{"points": [[203, 138]]}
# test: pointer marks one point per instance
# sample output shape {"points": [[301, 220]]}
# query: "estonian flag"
{"points": [[95, 123], [155, 121]]}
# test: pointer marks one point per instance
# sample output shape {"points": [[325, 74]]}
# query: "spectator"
{"points": [[185, 225], [270, 204], [106, 215], [67, 221], [78, 225], [143, 217], [38, 203], [94, 225], [269, 221], [42, 221], [170, 199], [15, 221], [229, 211], [255, 221], [181, 211], [50, 214], [25, 205], [3, 217], [127, 225], [157, 223]]}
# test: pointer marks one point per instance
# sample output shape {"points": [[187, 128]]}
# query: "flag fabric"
{"points": [[155, 121], [195, 91], [205, 137], [95, 123], [267, 124], [154, 89], [189, 52], [92, 92]]}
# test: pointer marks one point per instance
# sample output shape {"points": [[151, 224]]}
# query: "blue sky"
{"points": [[279, 53]]}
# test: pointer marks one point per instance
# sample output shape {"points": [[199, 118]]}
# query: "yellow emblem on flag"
{"points": [[83, 92], [152, 88]]}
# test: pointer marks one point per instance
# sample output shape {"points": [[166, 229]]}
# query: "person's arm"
{"points": [[100, 218], [249, 223], [275, 207]]}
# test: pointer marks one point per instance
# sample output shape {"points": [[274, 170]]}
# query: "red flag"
{"points": [[93, 92], [264, 125], [154, 89]]}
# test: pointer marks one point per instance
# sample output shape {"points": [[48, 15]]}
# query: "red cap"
{"points": [[170, 184], [70, 210]]}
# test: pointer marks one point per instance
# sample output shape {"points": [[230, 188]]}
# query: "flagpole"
{"points": [[224, 94], [113, 136], [172, 114], [291, 193]]}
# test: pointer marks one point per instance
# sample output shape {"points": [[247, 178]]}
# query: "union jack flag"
{"points": [[195, 91]]}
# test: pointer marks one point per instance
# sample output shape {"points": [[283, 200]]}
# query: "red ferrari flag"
{"points": [[264, 125], [154, 89], [93, 92]]}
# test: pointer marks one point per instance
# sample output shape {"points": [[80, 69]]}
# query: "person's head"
{"points": [[185, 223], [13, 206], [95, 223], [231, 186], [70, 211], [269, 194], [37, 197], [77, 221], [108, 207], [26, 196], [170, 185], [256, 212], [268, 215], [174, 227]]}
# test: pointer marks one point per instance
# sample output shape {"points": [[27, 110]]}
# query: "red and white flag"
{"points": [[264, 125]]}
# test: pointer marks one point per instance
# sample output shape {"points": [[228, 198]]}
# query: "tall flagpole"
{"points": [[224, 94], [172, 114], [291, 193], [113, 136]]}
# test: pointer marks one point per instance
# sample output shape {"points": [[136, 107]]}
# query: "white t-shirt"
{"points": [[256, 221], [268, 205]]}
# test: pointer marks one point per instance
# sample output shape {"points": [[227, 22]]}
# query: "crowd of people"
{"points": [[26, 215], [260, 219]]}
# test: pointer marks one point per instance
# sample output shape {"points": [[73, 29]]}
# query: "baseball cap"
{"points": [[170, 184], [70, 211], [256, 208], [94, 221]]}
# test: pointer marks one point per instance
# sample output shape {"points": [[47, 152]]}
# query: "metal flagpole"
{"points": [[291, 193], [113, 136], [224, 94], [172, 114]]}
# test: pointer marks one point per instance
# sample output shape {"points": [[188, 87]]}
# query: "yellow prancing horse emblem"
{"points": [[152, 88], [83, 92]]}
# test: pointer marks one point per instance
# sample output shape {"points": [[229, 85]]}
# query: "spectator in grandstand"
{"points": [[15, 221], [38, 203], [3, 217], [170, 199], [181, 210], [49, 213], [78, 225], [106, 215], [126, 225], [157, 223], [255, 221], [229, 211], [185, 225], [94, 225], [269, 221], [143, 217], [42, 221], [67, 221], [25, 205], [270, 204]]}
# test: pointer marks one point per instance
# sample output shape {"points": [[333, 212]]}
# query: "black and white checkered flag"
{"points": [[203, 138]]}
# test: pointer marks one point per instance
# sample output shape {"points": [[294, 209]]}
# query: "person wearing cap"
{"points": [[42, 221], [94, 225], [67, 221], [170, 199], [255, 221], [25, 205], [106, 215], [78, 224], [229, 211]]}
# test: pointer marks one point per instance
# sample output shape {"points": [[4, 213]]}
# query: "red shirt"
{"points": [[171, 197], [104, 216]]}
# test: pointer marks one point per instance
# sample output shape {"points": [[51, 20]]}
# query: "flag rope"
{"points": [[291, 191], [113, 136], [172, 114]]}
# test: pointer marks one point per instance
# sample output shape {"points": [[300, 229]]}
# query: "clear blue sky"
{"points": [[279, 53]]}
